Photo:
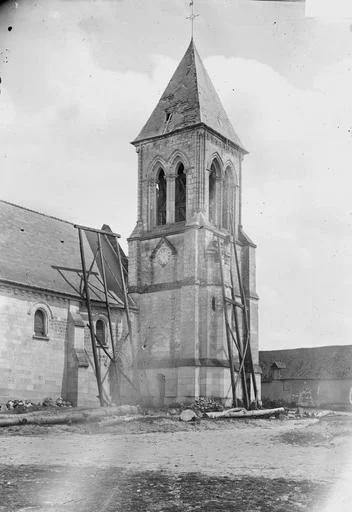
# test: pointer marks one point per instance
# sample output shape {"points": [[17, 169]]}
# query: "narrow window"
{"points": [[100, 332], [227, 200], [213, 303], [180, 194], [212, 194], [161, 199], [40, 323]]}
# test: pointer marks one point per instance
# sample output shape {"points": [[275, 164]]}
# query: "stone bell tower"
{"points": [[189, 196]]}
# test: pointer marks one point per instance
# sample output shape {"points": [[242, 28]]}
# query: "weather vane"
{"points": [[192, 16]]}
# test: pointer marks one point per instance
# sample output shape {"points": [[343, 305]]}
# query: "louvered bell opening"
{"points": [[180, 194]]}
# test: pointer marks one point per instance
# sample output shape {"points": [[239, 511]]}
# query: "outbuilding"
{"points": [[316, 376]]}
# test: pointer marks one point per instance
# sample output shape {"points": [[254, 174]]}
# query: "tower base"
{"points": [[166, 386]]}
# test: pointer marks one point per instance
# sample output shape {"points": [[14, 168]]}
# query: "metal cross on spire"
{"points": [[192, 16]]}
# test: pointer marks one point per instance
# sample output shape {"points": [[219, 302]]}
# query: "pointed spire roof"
{"points": [[189, 99]]}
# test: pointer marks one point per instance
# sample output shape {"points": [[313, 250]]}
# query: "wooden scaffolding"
{"points": [[237, 326], [115, 367], [94, 287]]}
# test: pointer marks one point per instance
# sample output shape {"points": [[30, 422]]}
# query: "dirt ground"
{"points": [[166, 465]]}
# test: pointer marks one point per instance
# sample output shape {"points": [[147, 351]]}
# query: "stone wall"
{"points": [[182, 316], [309, 392], [33, 367]]}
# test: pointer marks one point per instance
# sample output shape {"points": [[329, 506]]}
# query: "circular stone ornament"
{"points": [[163, 255]]}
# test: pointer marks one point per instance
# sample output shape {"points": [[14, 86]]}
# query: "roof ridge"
{"points": [[305, 348], [35, 211], [193, 50], [221, 112]]}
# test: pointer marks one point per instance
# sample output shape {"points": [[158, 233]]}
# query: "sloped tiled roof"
{"points": [[331, 362], [189, 99], [32, 245]]}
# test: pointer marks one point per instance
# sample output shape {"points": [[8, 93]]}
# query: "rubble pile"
{"points": [[60, 402], [292, 413], [20, 406], [202, 405], [306, 412]]}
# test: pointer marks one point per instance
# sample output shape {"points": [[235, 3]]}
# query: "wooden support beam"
{"points": [[113, 360], [90, 317], [234, 303], [227, 325], [247, 346], [101, 231]]}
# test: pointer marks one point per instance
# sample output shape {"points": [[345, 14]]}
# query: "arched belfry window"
{"points": [[180, 194], [212, 194], [100, 332], [161, 198], [40, 323], [228, 200]]}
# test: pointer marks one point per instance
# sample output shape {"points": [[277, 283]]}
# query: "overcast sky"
{"points": [[80, 78]]}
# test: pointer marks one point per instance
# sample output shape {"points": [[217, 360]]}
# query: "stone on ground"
{"points": [[188, 415]]}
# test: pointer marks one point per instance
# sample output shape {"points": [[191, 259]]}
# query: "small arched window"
{"points": [[40, 324], [161, 198], [212, 194], [180, 194], [100, 332]]}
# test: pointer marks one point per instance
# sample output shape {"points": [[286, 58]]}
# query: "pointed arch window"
{"points": [[212, 194], [180, 194], [161, 198]]}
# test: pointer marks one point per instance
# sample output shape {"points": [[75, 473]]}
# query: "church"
{"points": [[179, 274]]}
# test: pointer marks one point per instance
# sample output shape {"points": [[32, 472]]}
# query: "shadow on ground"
{"points": [[67, 489], [328, 431]]}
